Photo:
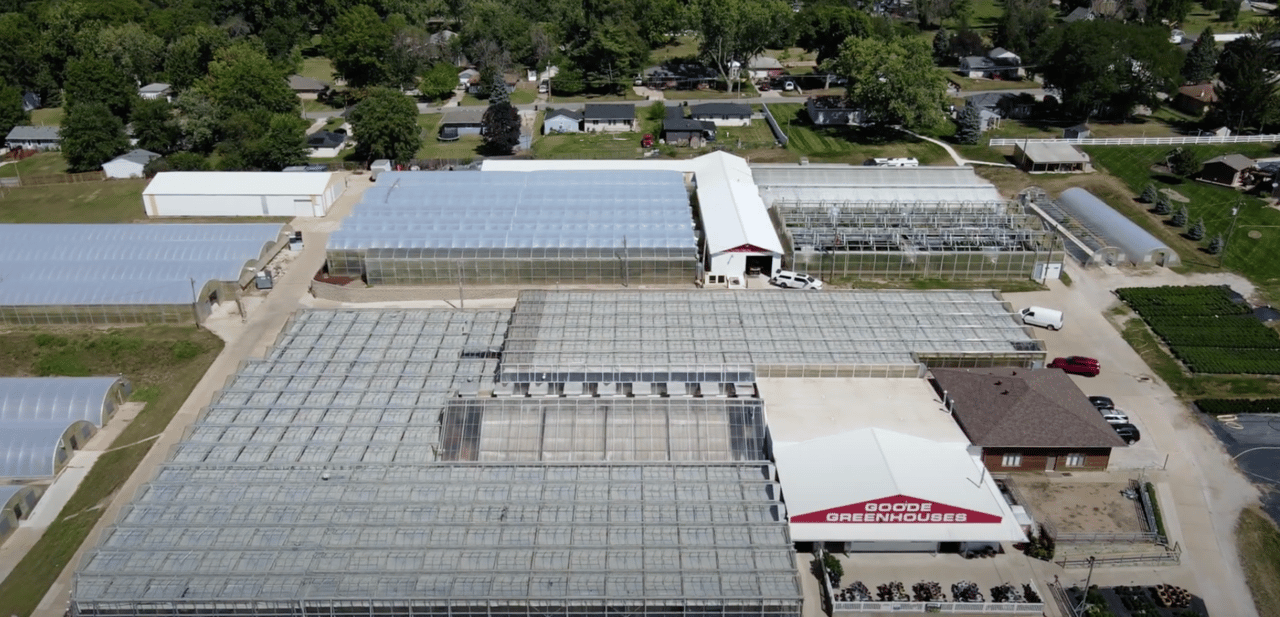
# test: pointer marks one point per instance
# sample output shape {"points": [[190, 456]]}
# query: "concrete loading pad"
{"points": [[1253, 441]]}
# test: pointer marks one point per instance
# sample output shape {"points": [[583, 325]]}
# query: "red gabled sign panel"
{"points": [[746, 248], [896, 509]]}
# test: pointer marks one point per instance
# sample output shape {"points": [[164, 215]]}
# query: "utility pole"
{"points": [[1079, 609], [195, 312], [1235, 214]]}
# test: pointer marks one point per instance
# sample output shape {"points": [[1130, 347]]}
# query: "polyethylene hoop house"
{"points": [[520, 228], [1122, 235]]}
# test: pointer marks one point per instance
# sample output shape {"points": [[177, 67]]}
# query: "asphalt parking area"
{"points": [[1253, 441]]}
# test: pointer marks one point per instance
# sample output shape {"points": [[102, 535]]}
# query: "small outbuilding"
{"points": [[1051, 157], [33, 138], [16, 503], [131, 164], [722, 114], [242, 193], [34, 450], [1027, 419], [561, 121], [761, 66], [155, 91], [832, 111], [678, 130], [1227, 170], [1195, 99], [1079, 131], [326, 144], [609, 118]]}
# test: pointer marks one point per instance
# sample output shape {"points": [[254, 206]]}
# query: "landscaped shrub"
{"points": [[1216, 244], [1207, 328], [1149, 194]]}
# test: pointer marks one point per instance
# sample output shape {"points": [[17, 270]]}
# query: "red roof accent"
{"points": [[895, 510], [747, 248]]}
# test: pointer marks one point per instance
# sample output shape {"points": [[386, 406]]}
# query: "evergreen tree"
{"points": [[1201, 60], [501, 127], [498, 90], [1230, 11], [1163, 206], [1197, 230], [1216, 244], [968, 125], [1180, 217], [942, 47], [1149, 194]]}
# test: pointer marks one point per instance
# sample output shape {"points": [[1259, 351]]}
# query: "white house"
{"points": [[155, 91], [33, 137], [242, 193], [609, 118], [130, 164], [763, 67], [561, 121], [467, 77], [722, 114]]}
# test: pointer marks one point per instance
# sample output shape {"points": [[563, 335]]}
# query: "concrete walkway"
{"points": [[955, 156], [263, 325]]}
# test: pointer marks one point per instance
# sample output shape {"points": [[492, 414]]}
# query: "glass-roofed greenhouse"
{"points": [[496, 227]]}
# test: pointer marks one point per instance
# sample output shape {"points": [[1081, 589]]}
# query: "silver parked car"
{"points": [[795, 280]]}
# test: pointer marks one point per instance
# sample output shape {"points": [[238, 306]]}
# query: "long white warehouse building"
{"points": [[242, 193]]}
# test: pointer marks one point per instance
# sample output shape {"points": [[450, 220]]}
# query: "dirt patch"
{"points": [[1175, 196], [1082, 507], [1255, 234]]}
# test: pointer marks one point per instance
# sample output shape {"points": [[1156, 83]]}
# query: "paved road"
{"points": [[1201, 492], [253, 339]]}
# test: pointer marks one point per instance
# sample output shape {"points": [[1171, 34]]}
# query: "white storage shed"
{"points": [[242, 193]]}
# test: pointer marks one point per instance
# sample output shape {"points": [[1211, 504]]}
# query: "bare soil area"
{"points": [[1092, 507]]}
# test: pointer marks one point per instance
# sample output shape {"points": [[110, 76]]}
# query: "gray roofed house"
{"points": [[722, 114], [1022, 417], [1079, 14], [1007, 104], [131, 164], [326, 139], [156, 91], [561, 121], [1227, 169], [33, 137], [461, 121], [306, 85], [609, 117], [679, 130]]}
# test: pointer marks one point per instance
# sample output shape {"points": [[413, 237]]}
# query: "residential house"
{"points": [[1079, 14], [681, 131], [988, 120], [1009, 64], [33, 138], [1027, 419], [30, 101], [1195, 99], [467, 77], [1079, 131], [722, 114], [1227, 170], [977, 67], [761, 66], [832, 111], [1051, 157], [326, 144], [306, 87], [461, 121], [609, 118], [1007, 104], [132, 164], [561, 121], [155, 91]]}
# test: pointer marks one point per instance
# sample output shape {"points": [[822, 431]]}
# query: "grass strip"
{"points": [[1258, 541]]}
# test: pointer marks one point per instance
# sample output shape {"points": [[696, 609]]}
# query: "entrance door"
{"points": [[1050, 463], [760, 265]]}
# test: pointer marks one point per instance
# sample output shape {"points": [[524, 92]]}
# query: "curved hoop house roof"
{"points": [[30, 449], [122, 264], [55, 399], [1138, 246]]}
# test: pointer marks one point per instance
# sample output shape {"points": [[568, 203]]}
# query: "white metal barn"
{"points": [[242, 193]]}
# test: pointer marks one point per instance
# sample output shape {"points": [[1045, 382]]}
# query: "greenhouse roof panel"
{"points": [[42, 399]]}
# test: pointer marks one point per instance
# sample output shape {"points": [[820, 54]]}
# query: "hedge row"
{"points": [[1202, 300], [1229, 360], [1207, 328], [1225, 406]]}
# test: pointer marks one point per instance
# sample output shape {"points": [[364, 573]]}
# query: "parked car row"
{"points": [[1117, 418]]}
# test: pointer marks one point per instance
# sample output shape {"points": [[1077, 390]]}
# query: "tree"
{"points": [[1170, 11], [155, 127], [609, 55], [1163, 206], [1184, 163], [1230, 11], [1149, 194], [969, 125], [268, 143], [1105, 67], [1022, 24], [242, 79], [732, 31], [967, 42], [1197, 230], [438, 81], [358, 43], [1201, 60], [91, 135], [91, 79], [894, 81], [822, 27], [1216, 244], [198, 121], [942, 47], [1246, 95], [1180, 217], [135, 52], [385, 125], [497, 90], [178, 161], [11, 112], [188, 57], [501, 127], [568, 82]]}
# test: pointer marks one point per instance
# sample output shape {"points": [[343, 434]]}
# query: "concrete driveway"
{"points": [[1201, 492]]}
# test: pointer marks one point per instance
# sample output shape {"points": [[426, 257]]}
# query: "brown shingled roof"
{"points": [[1015, 407]]}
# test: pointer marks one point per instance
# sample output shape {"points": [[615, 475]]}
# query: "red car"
{"points": [[647, 141], [1079, 365]]}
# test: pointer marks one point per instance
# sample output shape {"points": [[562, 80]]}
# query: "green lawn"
{"points": [[756, 133], [681, 47], [163, 362], [314, 105], [104, 201], [627, 95], [43, 164], [465, 148], [47, 117], [1187, 385], [587, 146], [979, 85], [1254, 258], [983, 15], [521, 96], [1198, 18], [318, 68], [849, 145], [1259, 543]]}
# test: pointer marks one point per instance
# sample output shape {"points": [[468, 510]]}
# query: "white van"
{"points": [[1043, 317], [795, 280]]}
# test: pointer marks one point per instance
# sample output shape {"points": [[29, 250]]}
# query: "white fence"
{"points": [[1144, 141]]}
